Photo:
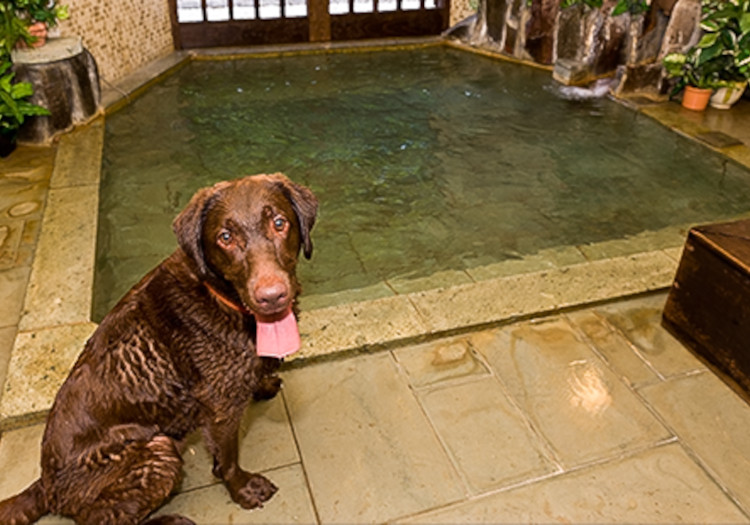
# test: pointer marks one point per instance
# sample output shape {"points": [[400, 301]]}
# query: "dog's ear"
{"points": [[188, 226], [305, 206]]}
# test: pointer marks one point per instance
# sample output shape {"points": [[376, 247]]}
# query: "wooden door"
{"points": [[215, 23]]}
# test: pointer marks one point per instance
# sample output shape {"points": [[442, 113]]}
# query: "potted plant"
{"points": [[38, 16], [14, 107], [696, 75], [726, 25]]}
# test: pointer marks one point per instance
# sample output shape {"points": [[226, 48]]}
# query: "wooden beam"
{"points": [[320, 20]]}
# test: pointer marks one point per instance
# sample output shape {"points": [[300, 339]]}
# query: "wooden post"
{"points": [[320, 20]]}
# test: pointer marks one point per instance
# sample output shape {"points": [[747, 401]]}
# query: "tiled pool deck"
{"points": [[513, 393]]}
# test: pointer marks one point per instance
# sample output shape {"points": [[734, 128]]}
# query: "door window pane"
{"points": [[217, 10], [243, 9]]}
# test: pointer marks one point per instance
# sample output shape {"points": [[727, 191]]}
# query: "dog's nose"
{"points": [[272, 295]]}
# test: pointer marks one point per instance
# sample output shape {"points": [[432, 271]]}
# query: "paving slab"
{"points": [[61, 279], [580, 406], [437, 362], [39, 363], [213, 505], [661, 485], [713, 422], [621, 355], [369, 452], [487, 436], [639, 320]]}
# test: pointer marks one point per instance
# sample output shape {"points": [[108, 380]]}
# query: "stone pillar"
{"points": [[496, 12], [66, 82], [540, 30], [670, 26]]}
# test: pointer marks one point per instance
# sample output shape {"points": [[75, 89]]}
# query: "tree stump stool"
{"points": [[708, 307], [66, 82]]}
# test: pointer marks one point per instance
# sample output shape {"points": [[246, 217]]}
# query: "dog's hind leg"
{"points": [[125, 486], [27, 507]]}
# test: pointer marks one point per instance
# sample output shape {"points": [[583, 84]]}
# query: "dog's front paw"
{"points": [[267, 388], [250, 491]]}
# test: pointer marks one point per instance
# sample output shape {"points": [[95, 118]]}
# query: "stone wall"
{"points": [[122, 35], [584, 44], [461, 9]]}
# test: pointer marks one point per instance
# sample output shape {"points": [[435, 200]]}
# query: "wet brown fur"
{"points": [[169, 358]]}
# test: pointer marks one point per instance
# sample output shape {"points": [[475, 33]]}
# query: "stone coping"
{"points": [[59, 48], [56, 321]]}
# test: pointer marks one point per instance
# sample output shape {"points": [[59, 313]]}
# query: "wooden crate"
{"points": [[708, 307]]}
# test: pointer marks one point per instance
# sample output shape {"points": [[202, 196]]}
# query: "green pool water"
{"points": [[424, 160]]}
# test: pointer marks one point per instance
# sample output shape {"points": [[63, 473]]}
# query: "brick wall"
{"points": [[123, 35], [460, 9]]}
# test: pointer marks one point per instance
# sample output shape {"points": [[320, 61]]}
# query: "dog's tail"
{"points": [[26, 507]]}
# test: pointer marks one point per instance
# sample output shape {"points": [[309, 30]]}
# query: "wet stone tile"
{"points": [[640, 321], [10, 240], [660, 485], [291, 504], [368, 450], [20, 453], [490, 441], [710, 419], [434, 363], [7, 336], [62, 273], [581, 407], [614, 347], [12, 291], [39, 364]]}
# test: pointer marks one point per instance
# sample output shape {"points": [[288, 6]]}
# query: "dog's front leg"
{"points": [[247, 489]]}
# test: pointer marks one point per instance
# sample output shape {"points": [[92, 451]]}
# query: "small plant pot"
{"points": [[725, 97], [37, 30], [695, 99]]}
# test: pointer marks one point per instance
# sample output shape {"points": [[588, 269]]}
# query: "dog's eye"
{"points": [[225, 238], [279, 223]]}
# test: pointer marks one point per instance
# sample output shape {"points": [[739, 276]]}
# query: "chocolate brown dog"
{"points": [[180, 351]]}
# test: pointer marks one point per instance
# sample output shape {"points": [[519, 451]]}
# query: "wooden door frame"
{"points": [[318, 26]]}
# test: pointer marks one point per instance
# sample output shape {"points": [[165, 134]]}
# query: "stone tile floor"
{"points": [[595, 415]]}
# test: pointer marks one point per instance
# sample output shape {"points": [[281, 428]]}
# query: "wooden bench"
{"points": [[708, 307]]}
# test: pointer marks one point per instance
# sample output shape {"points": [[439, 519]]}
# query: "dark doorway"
{"points": [[213, 23]]}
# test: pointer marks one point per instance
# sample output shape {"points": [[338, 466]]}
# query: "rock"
{"points": [[683, 30], [66, 82]]}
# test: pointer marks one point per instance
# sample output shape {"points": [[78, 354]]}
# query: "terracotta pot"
{"points": [[724, 97], [38, 30], [695, 99]]}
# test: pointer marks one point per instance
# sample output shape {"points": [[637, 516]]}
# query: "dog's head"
{"points": [[248, 233]]}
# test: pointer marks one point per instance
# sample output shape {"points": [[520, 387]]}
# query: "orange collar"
{"points": [[227, 302]]}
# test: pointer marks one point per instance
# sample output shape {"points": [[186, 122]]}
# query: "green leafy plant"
{"points": [[12, 28], [46, 11], [722, 56], [17, 15], [14, 104], [690, 69], [726, 39], [623, 6]]}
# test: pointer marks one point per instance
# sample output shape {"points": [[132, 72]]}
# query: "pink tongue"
{"points": [[278, 338]]}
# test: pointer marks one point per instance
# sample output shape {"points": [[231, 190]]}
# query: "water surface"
{"points": [[423, 160]]}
